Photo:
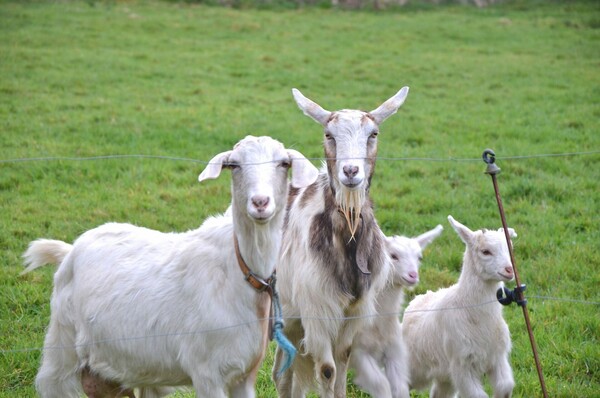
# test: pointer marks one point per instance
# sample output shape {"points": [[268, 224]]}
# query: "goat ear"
{"points": [[465, 233], [389, 107], [303, 171], [428, 237], [311, 108], [511, 232], [214, 167]]}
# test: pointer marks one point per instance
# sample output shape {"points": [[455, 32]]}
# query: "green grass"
{"points": [[188, 81]]}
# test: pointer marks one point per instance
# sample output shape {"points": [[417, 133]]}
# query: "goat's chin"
{"points": [[260, 217], [352, 184]]}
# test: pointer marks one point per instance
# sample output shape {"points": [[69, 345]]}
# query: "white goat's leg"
{"points": [[58, 376], [299, 389], [208, 388], [442, 390], [369, 376], [245, 389], [501, 379], [396, 368], [341, 365], [324, 368], [467, 383]]}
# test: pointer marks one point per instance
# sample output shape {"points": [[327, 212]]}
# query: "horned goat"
{"points": [[378, 355], [332, 261], [457, 335], [198, 318]]}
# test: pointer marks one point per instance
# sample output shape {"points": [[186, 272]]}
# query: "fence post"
{"points": [[489, 157]]}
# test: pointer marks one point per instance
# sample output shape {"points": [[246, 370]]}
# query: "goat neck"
{"points": [[259, 243]]}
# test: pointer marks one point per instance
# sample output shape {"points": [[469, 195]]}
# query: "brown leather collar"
{"points": [[254, 280]]}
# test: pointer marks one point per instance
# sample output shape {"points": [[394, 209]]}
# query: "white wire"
{"points": [[217, 330]]}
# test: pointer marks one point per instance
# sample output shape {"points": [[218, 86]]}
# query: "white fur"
{"points": [[454, 349], [144, 308], [378, 355], [313, 305]]}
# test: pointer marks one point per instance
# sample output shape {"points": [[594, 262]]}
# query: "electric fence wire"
{"points": [[182, 159], [224, 328]]}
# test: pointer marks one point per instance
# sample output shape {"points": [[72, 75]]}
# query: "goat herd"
{"points": [[137, 311]]}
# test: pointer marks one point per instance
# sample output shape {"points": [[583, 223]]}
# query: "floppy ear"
{"points": [[429, 236], [465, 233], [511, 232], [311, 108], [303, 171], [389, 107], [214, 167]]}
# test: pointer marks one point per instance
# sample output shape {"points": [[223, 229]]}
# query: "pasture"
{"points": [[87, 88]]}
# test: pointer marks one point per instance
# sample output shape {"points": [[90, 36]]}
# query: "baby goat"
{"points": [[378, 355], [456, 335]]}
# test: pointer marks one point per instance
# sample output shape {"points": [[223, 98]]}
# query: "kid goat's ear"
{"points": [[463, 232], [428, 237]]}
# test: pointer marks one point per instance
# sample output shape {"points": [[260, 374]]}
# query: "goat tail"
{"points": [[45, 251]]}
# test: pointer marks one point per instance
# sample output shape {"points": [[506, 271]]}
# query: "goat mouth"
{"points": [[410, 282], [351, 185], [261, 218], [506, 277]]}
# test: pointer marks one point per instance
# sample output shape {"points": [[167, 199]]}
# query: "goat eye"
{"points": [[286, 164], [486, 252], [394, 257], [231, 166], [328, 136], [374, 134]]}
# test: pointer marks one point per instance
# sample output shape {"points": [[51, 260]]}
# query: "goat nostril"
{"points": [[509, 270], [260, 201], [350, 171], [413, 275]]}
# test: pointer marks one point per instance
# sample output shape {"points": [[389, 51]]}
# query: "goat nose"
{"points": [[350, 171], [414, 275], [509, 270], [260, 202]]}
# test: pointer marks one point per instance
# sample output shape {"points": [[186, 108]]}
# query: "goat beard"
{"points": [[350, 204]]}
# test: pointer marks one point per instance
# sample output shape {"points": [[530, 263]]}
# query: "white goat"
{"points": [[196, 318], [456, 335], [333, 261], [378, 355]]}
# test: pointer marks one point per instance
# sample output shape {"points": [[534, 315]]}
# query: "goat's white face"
{"points": [[406, 255], [351, 138], [493, 255], [488, 250], [259, 168], [351, 148], [259, 177]]}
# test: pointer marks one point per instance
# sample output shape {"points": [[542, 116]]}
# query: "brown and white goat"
{"points": [[333, 260]]}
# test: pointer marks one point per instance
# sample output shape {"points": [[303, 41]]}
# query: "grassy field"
{"points": [[81, 80]]}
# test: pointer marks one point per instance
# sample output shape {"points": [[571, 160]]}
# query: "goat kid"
{"points": [[452, 341], [196, 318], [332, 261], [379, 355]]}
